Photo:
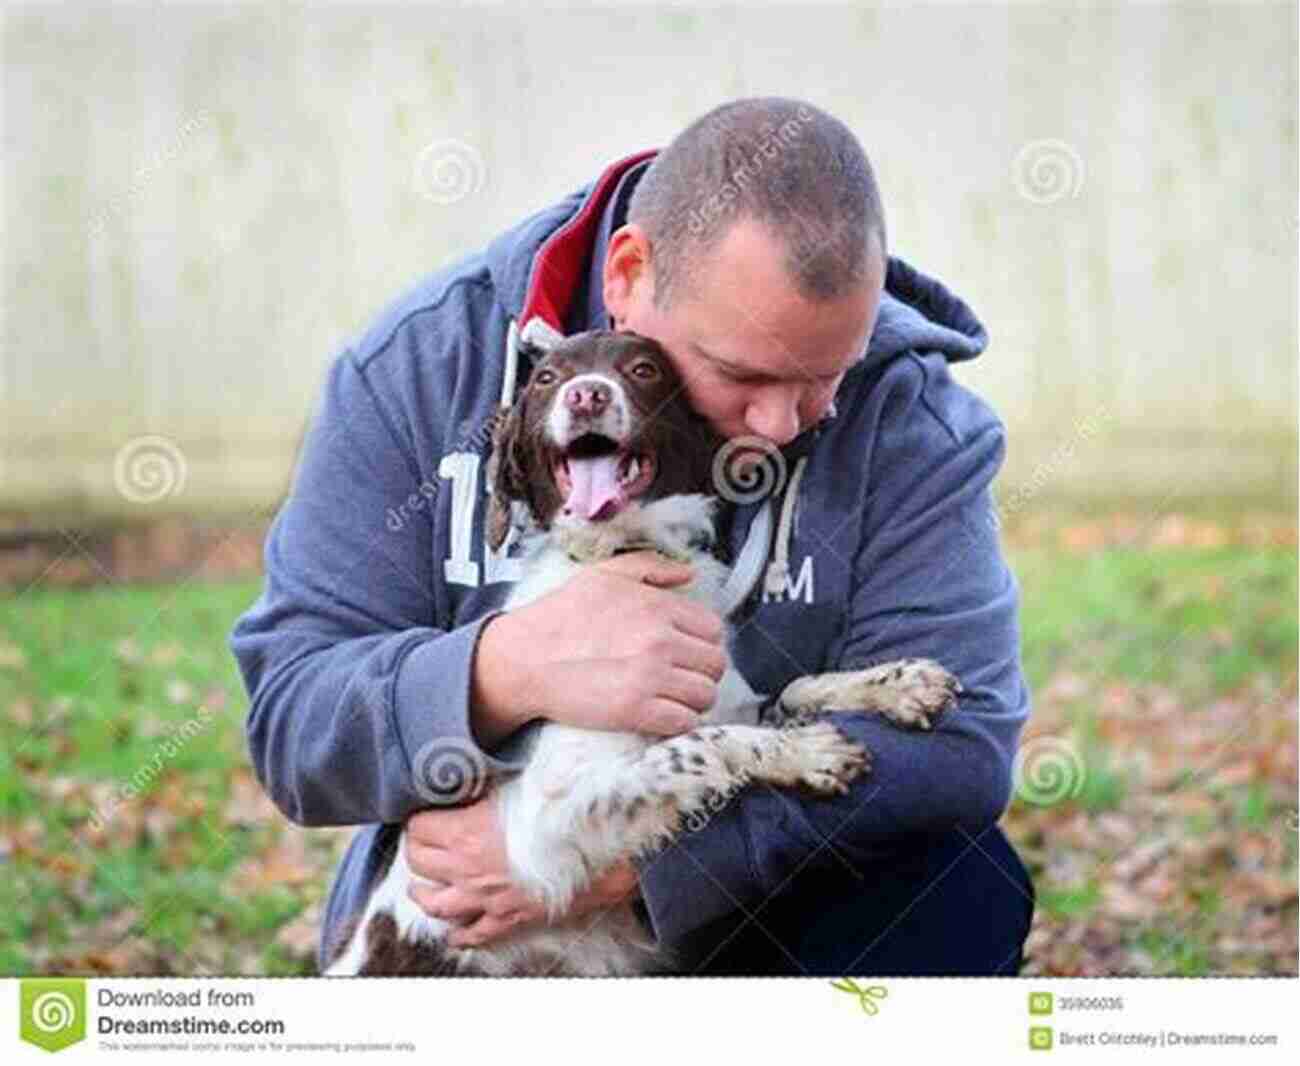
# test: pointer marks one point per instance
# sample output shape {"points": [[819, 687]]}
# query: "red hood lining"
{"points": [[561, 256]]}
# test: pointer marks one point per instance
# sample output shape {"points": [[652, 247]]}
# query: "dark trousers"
{"points": [[959, 906]]}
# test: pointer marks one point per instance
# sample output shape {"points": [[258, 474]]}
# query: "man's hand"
{"points": [[611, 649], [462, 849]]}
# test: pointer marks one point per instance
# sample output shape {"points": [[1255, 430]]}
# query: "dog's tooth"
{"points": [[633, 468]]}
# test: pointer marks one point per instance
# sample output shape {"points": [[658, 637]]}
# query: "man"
{"points": [[753, 249]]}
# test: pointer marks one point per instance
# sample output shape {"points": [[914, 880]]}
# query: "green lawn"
{"points": [[1168, 680], [133, 838]]}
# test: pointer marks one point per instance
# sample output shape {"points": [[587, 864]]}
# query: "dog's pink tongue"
{"points": [[595, 489]]}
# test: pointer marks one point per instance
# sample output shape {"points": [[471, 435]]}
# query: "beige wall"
{"points": [[201, 203]]}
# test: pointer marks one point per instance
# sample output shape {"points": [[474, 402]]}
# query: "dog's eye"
{"points": [[645, 370], [544, 377]]}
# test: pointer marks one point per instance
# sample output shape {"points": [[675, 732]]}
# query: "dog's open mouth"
{"points": [[597, 476]]}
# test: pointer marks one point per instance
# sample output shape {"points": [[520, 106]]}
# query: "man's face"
{"points": [[756, 358]]}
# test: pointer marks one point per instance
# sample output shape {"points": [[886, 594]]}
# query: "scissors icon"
{"points": [[866, 996]]}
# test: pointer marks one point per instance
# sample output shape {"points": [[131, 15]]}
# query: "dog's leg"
{"points": [[812, 755], [557, 848], [911, 693]]}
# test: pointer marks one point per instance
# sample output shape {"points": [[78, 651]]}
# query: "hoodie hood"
{"points": [[920, 314], [537, 267]]}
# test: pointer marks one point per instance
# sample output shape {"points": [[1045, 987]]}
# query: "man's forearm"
{"points": [[498, 685]]}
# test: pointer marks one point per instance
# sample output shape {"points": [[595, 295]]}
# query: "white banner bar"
{"points": [[648, 1021]]}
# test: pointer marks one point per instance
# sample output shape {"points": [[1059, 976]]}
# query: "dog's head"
{"points": [[602, 421]]}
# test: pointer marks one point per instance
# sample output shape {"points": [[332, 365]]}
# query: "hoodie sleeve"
{"points": [[930, 581], [352, 689]]}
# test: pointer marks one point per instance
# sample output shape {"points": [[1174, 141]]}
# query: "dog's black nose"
{"points": [[587, 398]]}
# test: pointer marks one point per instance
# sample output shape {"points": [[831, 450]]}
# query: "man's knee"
{"points": [[960, 907]]}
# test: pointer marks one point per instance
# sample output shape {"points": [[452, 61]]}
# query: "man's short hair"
{"points": [[782, 163]]}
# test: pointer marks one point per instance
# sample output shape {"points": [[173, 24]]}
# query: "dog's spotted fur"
{"points": [[588, 799]]}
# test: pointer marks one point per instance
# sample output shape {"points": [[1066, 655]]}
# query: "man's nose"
{"points": [[774, 417], [587, 398]]}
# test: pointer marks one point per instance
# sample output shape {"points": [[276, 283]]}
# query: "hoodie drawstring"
{"points": [[749, 563], [778, 571], [538, 333], [512, 367]]}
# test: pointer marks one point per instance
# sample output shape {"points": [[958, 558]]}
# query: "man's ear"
{"points": [[627, 269], [506, 473]]}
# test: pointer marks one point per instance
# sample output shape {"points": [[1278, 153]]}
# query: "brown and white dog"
{"points": [[601, 454]]}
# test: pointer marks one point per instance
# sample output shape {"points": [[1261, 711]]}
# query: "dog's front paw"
{"points": [[917, 693], [826, 761], [909, 692]]}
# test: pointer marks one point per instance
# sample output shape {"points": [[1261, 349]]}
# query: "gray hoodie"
{"points": [[883, 544]]}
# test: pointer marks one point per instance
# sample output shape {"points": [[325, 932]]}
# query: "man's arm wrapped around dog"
{"points": [[363, 712], [930, 581], [347, 680]]}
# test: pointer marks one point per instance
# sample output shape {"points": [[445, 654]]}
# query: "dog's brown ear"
{"points": [[505, 473]]}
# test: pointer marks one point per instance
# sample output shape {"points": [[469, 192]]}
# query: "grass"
{"points": [[1144, 660], [1172, 675], [95, 697], [1203, 620]]}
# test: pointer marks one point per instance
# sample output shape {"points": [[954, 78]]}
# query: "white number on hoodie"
{"points": [[462, 470]]}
